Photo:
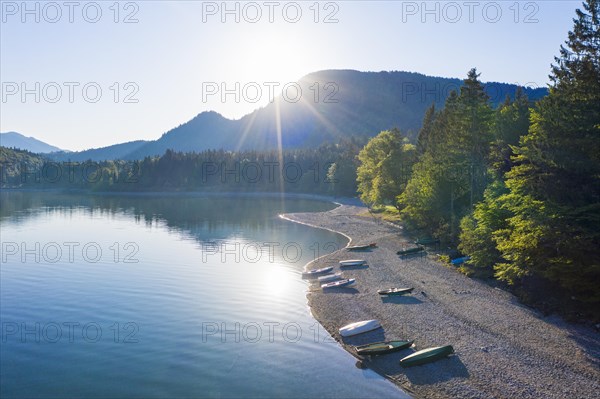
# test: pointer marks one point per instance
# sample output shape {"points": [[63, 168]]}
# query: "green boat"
{"points": [[382, 348], [411, 250], [426, 355], [427, 241], [395, 291]]}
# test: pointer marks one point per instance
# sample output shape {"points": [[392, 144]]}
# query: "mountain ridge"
{"points": [[22, 142], [334, 104]]}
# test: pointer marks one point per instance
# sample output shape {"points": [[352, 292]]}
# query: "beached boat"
{"points": [[395, 291], [426, 356], [382, 348], [359, 327], [352, 262], [361, 247], [460, 261], [408, 251], [340, 283], [427, 241], [313, 273], [330, 277]]}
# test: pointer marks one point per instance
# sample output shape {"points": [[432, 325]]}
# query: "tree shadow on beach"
{"points": [[401, 300], [414, 255], [438, 371]]}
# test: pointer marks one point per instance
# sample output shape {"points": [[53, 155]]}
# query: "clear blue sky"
{"points": [[177, 50]]}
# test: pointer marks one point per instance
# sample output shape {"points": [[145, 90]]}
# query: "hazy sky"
{"points": [[90, 74]]}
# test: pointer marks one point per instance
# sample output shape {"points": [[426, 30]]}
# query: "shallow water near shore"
{"points": [[163, 296]]}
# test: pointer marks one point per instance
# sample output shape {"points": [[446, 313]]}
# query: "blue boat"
{"points": [[459, 261]]}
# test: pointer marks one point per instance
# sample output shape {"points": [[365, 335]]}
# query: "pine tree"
{"points": [[555, 183]]}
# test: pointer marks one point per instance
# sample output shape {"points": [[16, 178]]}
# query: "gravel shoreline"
{"points": [[503, 349]]}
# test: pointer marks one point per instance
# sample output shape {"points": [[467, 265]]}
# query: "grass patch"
{"points": [[385, 212]]}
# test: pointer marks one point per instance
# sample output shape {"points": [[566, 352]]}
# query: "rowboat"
{"points": [[459, 261], [339, 283], [382, 348], [427, 241], [395, 291], [330, 277], [318, 271], [426, 356], [359, 327], [352, 262], [410, 250], [361, 247]]}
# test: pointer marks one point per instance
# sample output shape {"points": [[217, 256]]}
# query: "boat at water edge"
{"points": [[359, 327], [316, 272], [340, 283]]}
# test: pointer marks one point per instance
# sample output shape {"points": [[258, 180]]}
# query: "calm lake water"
{"points": [[165, 296]]}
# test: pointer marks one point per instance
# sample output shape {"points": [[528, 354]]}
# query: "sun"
{"points": [[274, 57]]}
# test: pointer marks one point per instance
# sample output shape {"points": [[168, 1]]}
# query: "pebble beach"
{"points": [[502, 348]]}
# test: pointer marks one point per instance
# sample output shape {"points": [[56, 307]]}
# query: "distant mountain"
{"points": [[31, 144], [116, 151], [333, 104]]}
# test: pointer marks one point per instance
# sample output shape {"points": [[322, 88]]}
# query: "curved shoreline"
{"points": [[503, 349]]}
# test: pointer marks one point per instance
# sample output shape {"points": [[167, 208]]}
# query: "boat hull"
{"points": [[427, 356], [395, 291], [338, 284], [359, 327], [361, 247], [316, 272], [410, 251], [382, 348], [352, 262]]}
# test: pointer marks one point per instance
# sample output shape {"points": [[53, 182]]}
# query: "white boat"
{"points": [[330, 277], [352, 262], [359, 327], [318, 271], [339, 283]]}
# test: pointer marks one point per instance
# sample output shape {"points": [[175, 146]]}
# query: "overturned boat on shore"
{"points": [[396, 291], [382, 348], [359, 327], [426, 356]]}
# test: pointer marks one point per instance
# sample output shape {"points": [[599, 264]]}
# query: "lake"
{"points": [[165, 296]]}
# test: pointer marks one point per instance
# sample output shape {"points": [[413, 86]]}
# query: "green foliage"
{"points": [[477, 231], [385, 166], [450, 175], [554, 183]]}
